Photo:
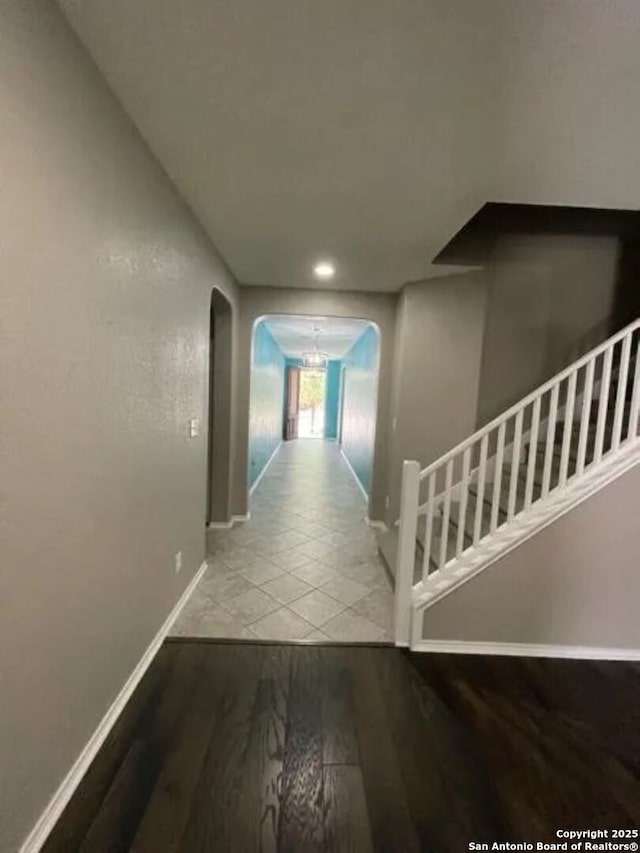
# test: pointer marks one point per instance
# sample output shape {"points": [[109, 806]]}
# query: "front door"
{"points": [[292, 408]]}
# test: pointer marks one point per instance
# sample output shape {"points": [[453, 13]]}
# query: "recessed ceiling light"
{"points": [[324, 270]]}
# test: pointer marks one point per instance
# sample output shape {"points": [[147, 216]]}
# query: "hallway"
{"points": [[304, 567]]}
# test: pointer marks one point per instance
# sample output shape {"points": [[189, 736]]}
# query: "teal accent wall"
{"points": [[359, 406], [332, 399], [332, 403], [267, 399]]}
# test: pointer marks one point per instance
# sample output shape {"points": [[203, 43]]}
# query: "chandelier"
{"points": [[314, 358]]}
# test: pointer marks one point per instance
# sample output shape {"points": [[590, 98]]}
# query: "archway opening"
{"points": [[314, 378], [219, 413]]}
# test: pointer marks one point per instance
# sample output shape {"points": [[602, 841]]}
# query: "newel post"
{"points": [[405, 558]]}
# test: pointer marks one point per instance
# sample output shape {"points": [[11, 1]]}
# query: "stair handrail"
{"points": [[530, 398]]}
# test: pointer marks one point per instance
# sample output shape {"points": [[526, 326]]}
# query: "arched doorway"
{"points": [[219, 414], [340, 357]]}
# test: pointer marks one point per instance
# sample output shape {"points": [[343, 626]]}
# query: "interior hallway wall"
{"points": [[332, 402], [267, 400], [436, 371], [105, 281], [359, 405], [564, 103], [379, 308], [549, 300]]}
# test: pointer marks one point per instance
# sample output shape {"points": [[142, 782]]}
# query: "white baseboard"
{"points": [[57, 804], [227, 525], [527, 650], [264, 470], [354, 475]]}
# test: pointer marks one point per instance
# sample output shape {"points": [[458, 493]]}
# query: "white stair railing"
{"points": [[564, 429]]}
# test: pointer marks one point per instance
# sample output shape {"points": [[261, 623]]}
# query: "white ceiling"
{"points": [[295, 333], [299, 129], [369, 131]]}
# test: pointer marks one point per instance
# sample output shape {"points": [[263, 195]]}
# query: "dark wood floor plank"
{"points": [[229, 747], [470, 692], [217, 818], [448, 788], [593, 695], [117, 820], [340, 741], [391, 826], [346, 821], [260, 774], [423, 779], [512, 713], [81, 811], [301, 812], [165, 818]]}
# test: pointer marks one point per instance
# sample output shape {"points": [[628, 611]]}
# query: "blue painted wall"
{"points": [[332, 399], [359, 405], [332, 403], [267, 399]]}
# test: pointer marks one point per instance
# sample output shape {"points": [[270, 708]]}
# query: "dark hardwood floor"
{"points": [[242, 747]]}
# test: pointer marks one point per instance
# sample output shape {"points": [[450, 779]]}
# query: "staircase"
{"points": [[514, 476]]}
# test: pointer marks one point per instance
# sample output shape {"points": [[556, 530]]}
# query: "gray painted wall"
{"points": [[575, 583], [105, 286], [469, 346], [379, 308], [436, 370], [546, 295], [566, 127]]}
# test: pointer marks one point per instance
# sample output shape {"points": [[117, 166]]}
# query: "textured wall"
{"points": [[256, 302], [574, 583], [267, 400], [565, 103], [359, 405], [545, 295], [436, 370], [105, 283], [468, 346]]}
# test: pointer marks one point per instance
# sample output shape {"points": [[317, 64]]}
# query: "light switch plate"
{"points": [[194, 427]]}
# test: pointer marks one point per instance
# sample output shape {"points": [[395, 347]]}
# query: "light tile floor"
{"points": [[304, 567]]}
